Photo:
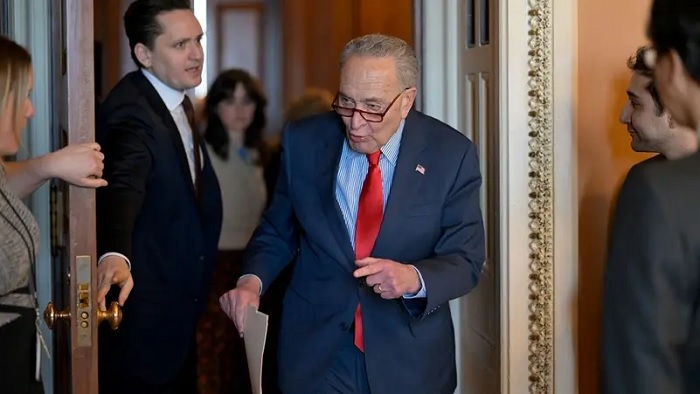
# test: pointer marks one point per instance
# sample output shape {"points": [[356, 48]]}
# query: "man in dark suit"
{"points": [[378, 205], [161, 212], [651, 321]]}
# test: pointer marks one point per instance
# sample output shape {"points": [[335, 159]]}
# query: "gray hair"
{"points": [[381, 45]]}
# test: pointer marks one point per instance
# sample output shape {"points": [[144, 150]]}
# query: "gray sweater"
{"points": [[18, 233]]}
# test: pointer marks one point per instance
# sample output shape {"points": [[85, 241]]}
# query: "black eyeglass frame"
{"points": [[374, 117]]}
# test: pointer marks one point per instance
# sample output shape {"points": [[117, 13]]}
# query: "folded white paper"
{"points": [[254, 335]]}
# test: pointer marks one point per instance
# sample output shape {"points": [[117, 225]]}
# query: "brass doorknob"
{"points": [[51, 315], [113, 315]]}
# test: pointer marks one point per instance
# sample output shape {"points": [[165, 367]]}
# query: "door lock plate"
{"points": [[83, 277]]}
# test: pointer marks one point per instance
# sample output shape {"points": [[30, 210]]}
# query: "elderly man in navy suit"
{"points": [[378, 205]]}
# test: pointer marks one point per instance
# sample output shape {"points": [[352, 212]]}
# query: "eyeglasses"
{"points": [[373, 117]]}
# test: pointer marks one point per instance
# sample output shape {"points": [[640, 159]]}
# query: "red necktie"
{"points": [[369, 220]]}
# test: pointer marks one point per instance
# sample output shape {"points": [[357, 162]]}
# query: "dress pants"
{"points": [[347, 373], [185, 382], [18, 352]]}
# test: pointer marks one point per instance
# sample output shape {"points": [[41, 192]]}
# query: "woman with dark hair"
{"points": [[235, 110], [235, 120]]}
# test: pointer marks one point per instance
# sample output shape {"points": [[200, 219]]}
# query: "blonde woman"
{"points": [[80, 165]]}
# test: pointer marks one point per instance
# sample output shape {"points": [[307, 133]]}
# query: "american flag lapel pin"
{"points": [[420, 169]]}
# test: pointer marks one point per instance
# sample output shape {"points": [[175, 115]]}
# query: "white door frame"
{"points": [[539, 256]]}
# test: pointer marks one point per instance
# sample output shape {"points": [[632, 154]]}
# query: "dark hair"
{"points": [[638, 64], [314, 101], [222, 89], [675, 25], [141, 23]]}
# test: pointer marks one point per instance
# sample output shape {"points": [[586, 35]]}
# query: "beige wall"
{"points": [[609, 31]]}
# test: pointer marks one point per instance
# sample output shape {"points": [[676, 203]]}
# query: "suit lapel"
{"points": [[163, 113], [327, 162], [405, 184]]}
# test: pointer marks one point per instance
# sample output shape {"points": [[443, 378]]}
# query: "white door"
{"points": [[479, 311]]}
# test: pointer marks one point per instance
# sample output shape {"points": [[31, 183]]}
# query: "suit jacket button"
{"points": [[343, 326], [195, 300], [201, 258]]}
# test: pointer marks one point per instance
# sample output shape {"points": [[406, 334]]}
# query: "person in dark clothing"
{"points": [[651, 314], [161, 212]]}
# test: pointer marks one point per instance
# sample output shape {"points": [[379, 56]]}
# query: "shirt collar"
{"points": [[391, 148], [171, 97]]}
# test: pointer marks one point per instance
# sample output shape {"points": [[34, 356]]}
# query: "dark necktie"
{"points": [[189, 112], [369, 220]]}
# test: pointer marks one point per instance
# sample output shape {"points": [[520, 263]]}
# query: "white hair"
{"points": [[381, 45]]}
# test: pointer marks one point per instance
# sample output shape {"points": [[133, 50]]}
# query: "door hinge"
{"points": [[56, 213]]}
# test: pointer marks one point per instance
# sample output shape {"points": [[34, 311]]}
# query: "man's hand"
{"points": [[387, 277], [235, 302], [78, 164], [113, 271]]}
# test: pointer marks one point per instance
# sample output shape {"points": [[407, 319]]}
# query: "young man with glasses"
{"points": [[378, 205], [651, 313]]}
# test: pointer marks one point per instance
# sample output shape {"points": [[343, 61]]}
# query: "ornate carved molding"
{"points": [[541, 205]]}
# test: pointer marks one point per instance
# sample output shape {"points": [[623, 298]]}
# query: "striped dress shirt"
{"points": [[352, 170]]}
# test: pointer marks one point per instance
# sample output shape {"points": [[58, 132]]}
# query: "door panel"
{"points": [[76, 339], [319, 29], [480, 309], [73, 313]]}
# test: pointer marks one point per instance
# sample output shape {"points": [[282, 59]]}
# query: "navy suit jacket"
{"points": [[149, 213], [432, 220]]}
